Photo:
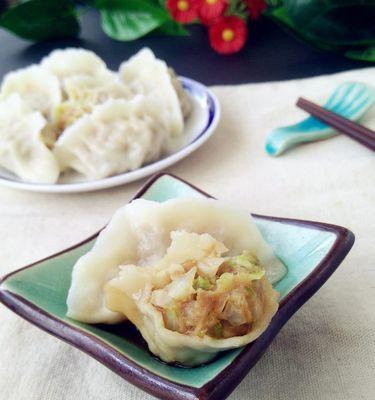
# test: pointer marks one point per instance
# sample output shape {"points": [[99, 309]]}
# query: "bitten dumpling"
{"points": [[195, 301], [22, 150], [114, 138], [73, 61], [140, 234], [145, 74], [36, 86]]}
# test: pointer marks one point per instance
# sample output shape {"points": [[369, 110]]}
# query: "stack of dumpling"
{"points": [[71, 112]]}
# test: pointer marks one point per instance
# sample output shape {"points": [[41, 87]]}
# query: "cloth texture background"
{"points": [[326, 351]]}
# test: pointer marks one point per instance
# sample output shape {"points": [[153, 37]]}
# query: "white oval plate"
{"points": [[199, 126]]}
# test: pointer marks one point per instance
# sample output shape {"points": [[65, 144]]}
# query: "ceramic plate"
{"points": [[199, 126], [310, 250]]}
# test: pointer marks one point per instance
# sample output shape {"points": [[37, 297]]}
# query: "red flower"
{"points": [[228, 35], [256, 7], [210, 10], [183, 11]]}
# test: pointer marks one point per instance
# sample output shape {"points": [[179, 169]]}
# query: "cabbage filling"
{"points": [[209, 294], [79, 103]]}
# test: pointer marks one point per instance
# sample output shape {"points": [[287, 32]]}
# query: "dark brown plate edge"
{"points": [[227, 380]]}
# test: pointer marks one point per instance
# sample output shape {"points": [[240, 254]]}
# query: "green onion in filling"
{"points": [[218, 330], [249, 262], [202, 283]]}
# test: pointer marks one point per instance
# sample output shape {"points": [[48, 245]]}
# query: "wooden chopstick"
{"points": [[355, 131]]}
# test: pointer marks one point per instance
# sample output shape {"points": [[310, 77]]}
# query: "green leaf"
{"points": [[159, 2], [346, 26], [41, 19], [337, 22], [281, 17], [130, 19], [172, 28], [363, 54]]}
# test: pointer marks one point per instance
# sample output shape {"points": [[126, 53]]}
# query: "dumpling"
{"points": [[192, 274], [22, 150], [145, 74], [73, 61], [83, 93], [140, 234], [196, 301], [36, 86], [114, 138]]}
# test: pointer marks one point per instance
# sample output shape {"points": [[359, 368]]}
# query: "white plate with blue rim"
{"points": [[199, 126]]}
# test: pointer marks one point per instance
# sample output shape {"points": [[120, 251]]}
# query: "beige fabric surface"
{"points": [[326, 351]]}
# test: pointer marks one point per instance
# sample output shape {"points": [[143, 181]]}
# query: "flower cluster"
{"points": [[226, 19]]}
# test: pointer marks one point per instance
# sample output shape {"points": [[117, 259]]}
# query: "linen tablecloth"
{"points": [[326, 351]]}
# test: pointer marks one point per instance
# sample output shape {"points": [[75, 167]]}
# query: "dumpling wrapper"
{"points": [[116, 137], [73, 61], [147, 75], [22, 149], [139, 234], [36, 86]]}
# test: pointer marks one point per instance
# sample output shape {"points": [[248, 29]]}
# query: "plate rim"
{"points": [[139, 173], [223, 383]]}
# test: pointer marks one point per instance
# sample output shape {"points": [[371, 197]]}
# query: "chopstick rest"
{"points": [[350, 100]]}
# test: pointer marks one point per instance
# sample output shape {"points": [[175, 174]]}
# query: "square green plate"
{"points": [[310, 250]]}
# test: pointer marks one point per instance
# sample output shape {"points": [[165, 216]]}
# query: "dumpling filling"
{"points": [[221, 306], [83, 93], [198, 290]]}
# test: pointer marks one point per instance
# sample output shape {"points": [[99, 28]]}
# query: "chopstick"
{"points": [[355, 131]]}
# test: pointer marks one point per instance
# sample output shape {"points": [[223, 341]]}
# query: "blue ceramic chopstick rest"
{"points": [[350, 100]]}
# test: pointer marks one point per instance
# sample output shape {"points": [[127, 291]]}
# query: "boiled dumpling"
{"points": [[83, 93], [114, 138], [36, 86], [196, 301], [145, 74], [73, 61], [140, 234], [22, 150], [192, 274], [95, 121]]}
